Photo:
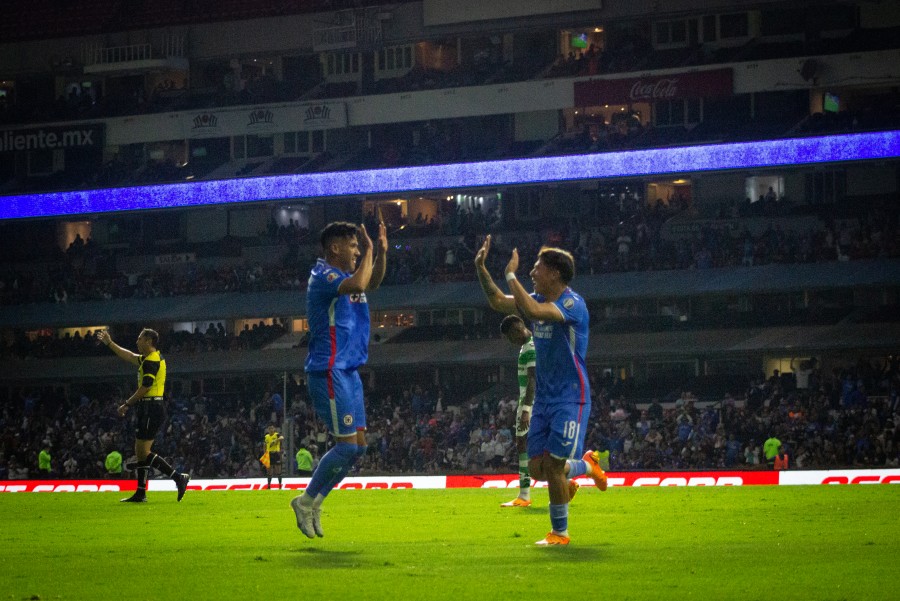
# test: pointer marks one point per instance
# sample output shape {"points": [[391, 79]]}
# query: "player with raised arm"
{"points": [[562, 401], [338, 314]]}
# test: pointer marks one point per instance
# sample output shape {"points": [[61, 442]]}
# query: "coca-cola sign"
{"points": [[699, 84], [648, 90]]}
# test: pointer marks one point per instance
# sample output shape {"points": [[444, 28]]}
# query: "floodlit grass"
{"points": [[789, 542]]}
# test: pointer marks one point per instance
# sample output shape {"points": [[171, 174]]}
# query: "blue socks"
{"points": [[577, 468], [333, 467], [360, 453], [559, 517]]}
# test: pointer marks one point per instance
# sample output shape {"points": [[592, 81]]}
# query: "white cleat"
{"points": [[317, 522], [304, 517]]}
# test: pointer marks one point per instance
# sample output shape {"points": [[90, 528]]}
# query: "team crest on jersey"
{"points": [[348, 420], [332, 277], [569, 303]]}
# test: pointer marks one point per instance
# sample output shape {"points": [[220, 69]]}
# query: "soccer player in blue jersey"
{"points": [[562, 399], [338, 314]]}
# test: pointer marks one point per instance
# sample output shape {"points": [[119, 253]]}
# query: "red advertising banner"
{"points": [[129, 485], [878, 476], [710, 478], [695, 84], [68, 485], [630, 479]]}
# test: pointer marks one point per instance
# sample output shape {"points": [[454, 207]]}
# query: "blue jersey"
{"points": [[338, 323], [561, 350]]}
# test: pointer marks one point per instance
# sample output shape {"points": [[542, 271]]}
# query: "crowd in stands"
{"points": [[45, 344], [846, 417], [630, 236]]}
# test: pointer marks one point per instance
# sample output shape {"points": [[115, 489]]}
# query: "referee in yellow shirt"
{"points": [[149, 403], [273, 448]]}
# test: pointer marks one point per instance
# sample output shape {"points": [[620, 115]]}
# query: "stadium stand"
{"points": [[845, 418], [700, 282]]}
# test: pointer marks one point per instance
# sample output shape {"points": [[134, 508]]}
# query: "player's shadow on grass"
{"points": [[571, 554], [316, 557]]}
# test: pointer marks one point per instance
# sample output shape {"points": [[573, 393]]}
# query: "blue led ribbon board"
{"points": [[634, 163]]}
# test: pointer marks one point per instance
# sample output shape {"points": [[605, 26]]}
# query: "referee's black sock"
{"points": [[142, 473], [155, 461]]}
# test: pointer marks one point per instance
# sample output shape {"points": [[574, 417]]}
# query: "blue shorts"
{"points": [[558, 429], [338, 399]]}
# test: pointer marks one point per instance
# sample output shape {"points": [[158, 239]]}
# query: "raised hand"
{"points": [[513, 264], [481, 255], [382, 236], [365, 243]]}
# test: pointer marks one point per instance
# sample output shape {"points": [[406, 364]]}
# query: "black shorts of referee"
{"points": [[150, 415]]}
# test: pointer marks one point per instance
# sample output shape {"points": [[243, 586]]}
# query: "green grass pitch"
{"points": [[755, 542]]}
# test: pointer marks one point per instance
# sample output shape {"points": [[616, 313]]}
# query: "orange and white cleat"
{"points": [[573, 488], [517, 502], [593, 459], [553, 538]]}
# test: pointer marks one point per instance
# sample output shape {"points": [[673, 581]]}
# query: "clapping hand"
{"points": [[481, 255], [513, 264], [365, 243], [382, 233]]}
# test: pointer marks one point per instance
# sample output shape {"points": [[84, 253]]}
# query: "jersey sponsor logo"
{"points": [[569, 303], [542, 330]]}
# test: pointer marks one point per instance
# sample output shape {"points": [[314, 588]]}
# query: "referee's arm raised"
{"points": [[123, 353]]}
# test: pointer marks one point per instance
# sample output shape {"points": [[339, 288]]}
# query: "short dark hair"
{"points": [[509, 322], [153, 335], [560, 260], [337, 229]]}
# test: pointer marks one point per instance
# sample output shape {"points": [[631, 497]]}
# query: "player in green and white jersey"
{"points": [[513, 329]]}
